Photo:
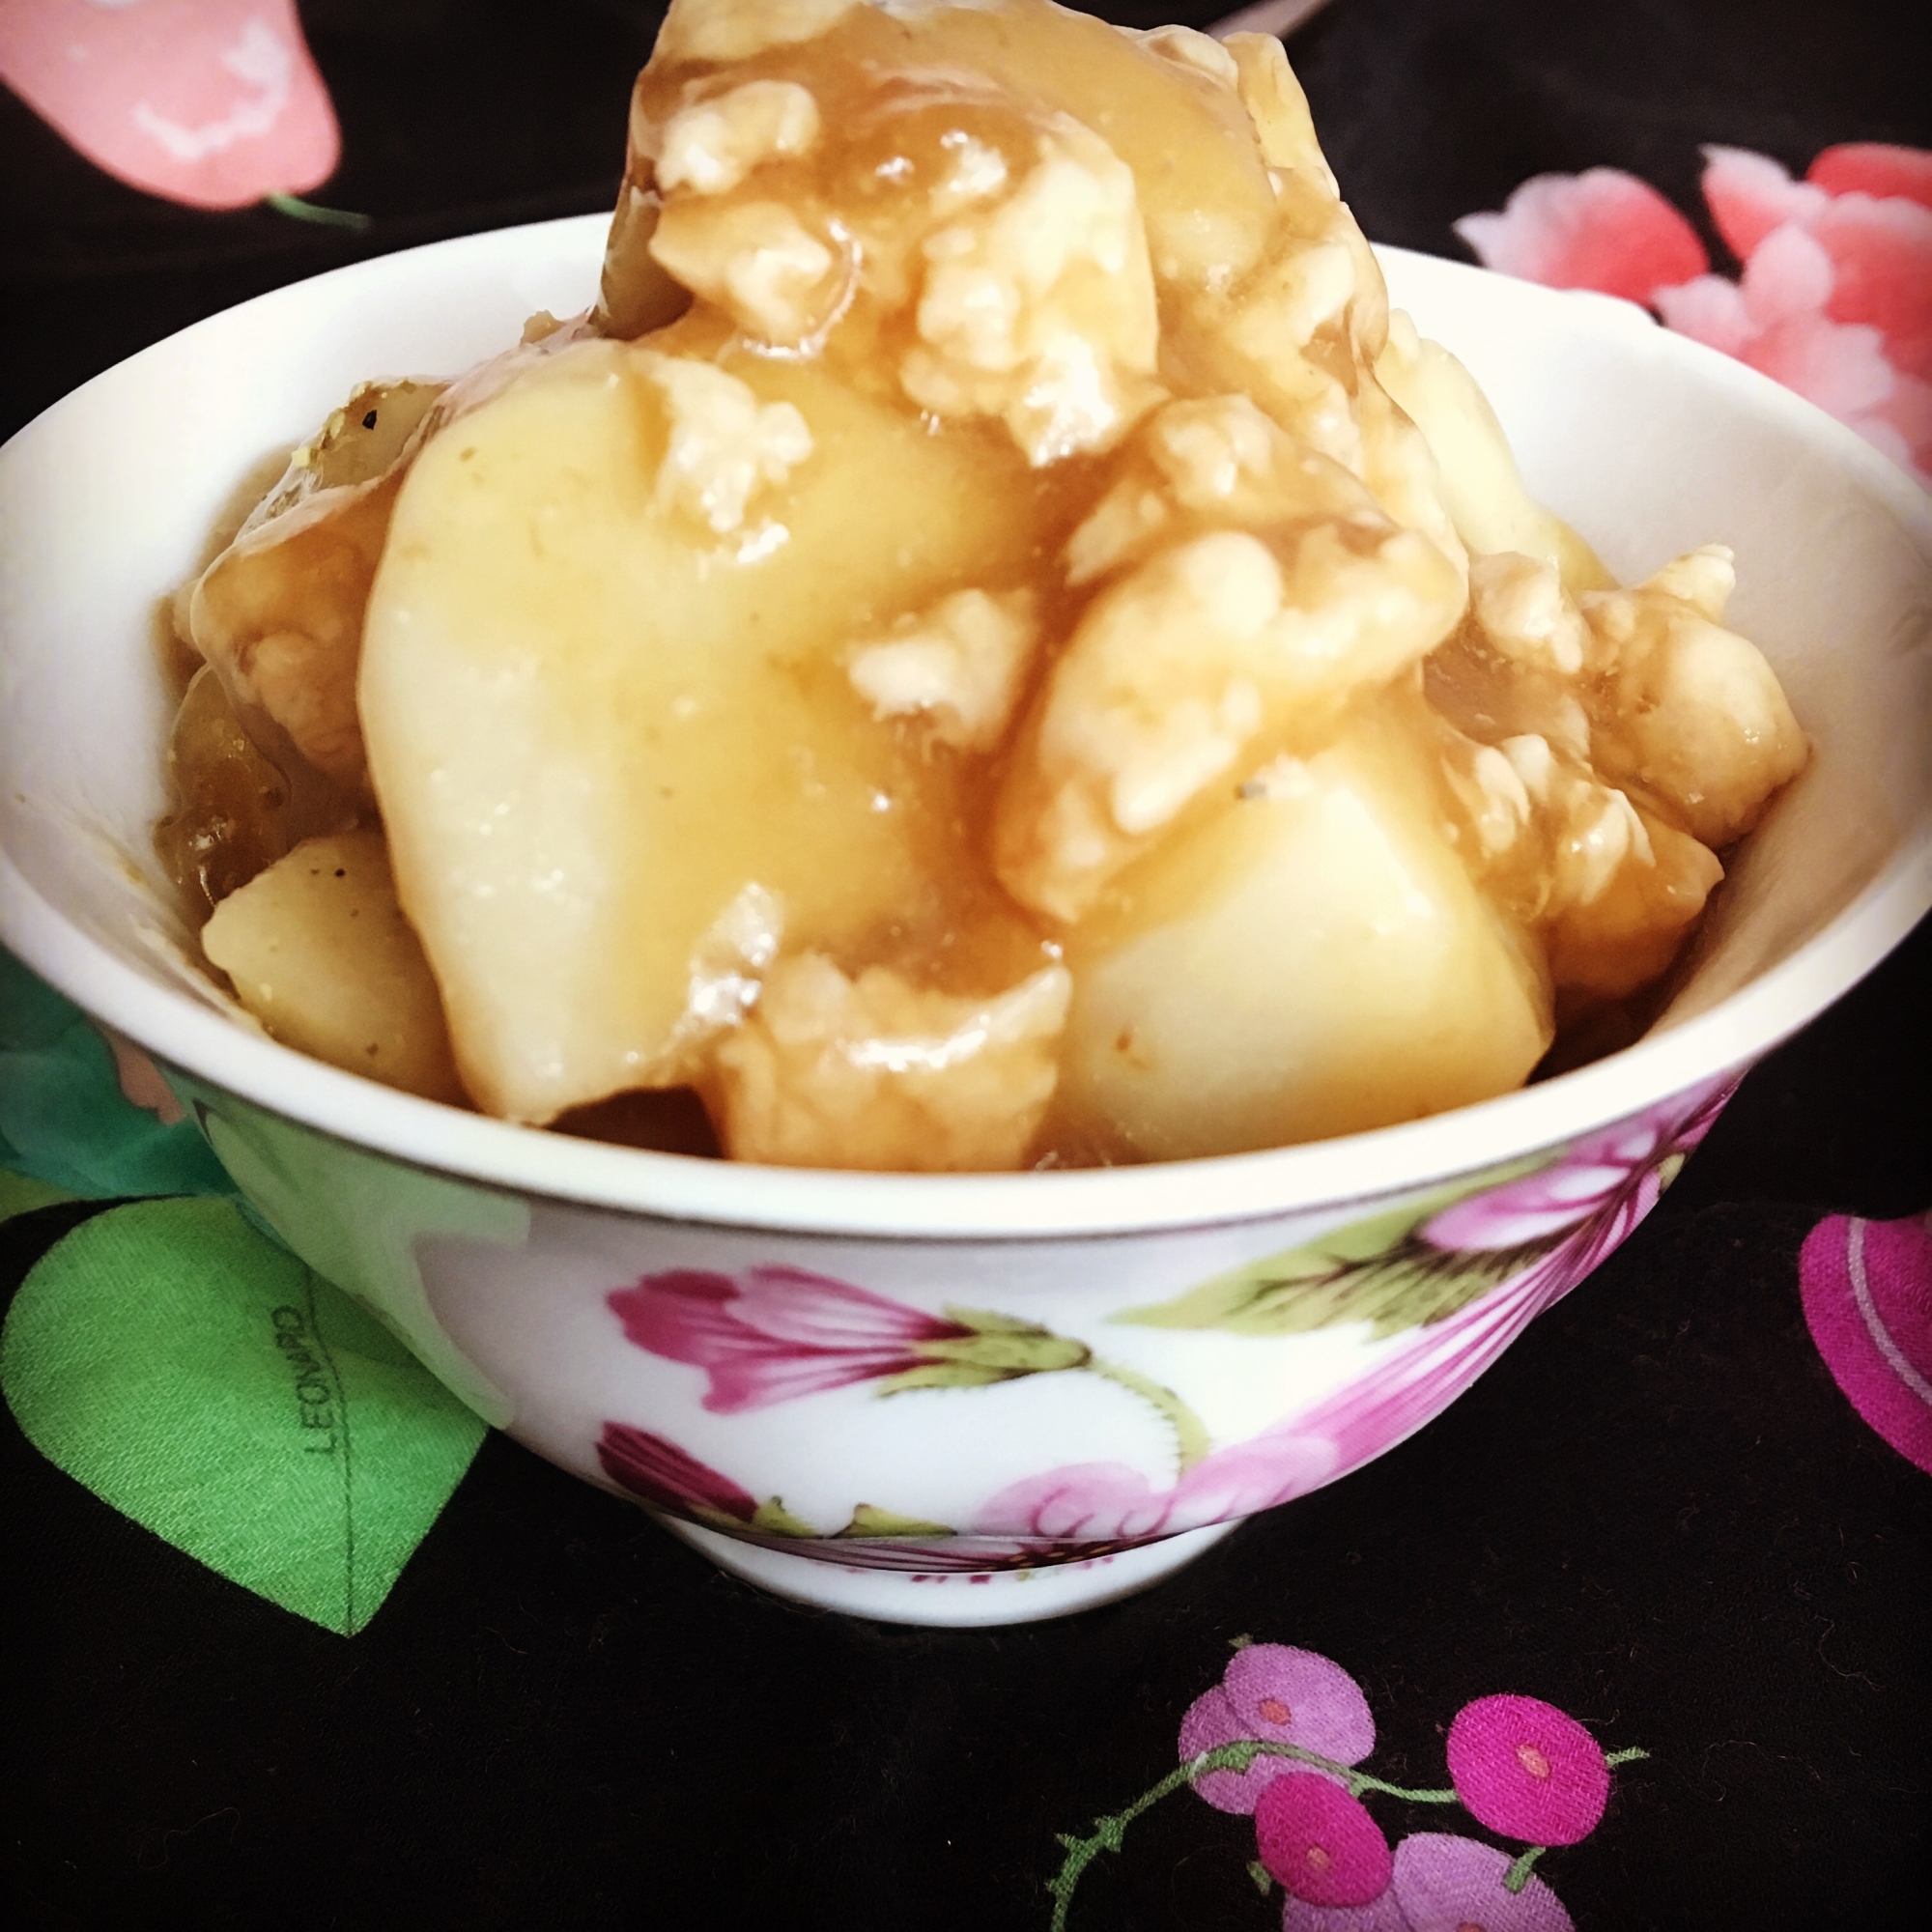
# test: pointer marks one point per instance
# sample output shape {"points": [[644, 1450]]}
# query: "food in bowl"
{"points": [[990, 646]]}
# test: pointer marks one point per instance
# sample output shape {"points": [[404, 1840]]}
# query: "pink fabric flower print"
{"points": [[1875, 168], [1867, 1294], [1320, 1843], [772, 1334], [1287, 1695], [213, 103], [1836, 298], [1448, 1884], [1603, 230], [1528, 1770], [661, 1473], [1869, 211]]}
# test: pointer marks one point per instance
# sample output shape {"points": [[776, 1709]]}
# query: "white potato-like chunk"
{"points": [[319, 950], [1277, 106], [1314, 961], [1480, 484], [1692, 712], [1193, 665], [873, 1072], [592, 724]]}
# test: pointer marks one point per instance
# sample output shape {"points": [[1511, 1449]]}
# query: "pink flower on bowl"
{"points": [[657, 1470], [1559, 1223], [1109, 1502], [1602, 1187], [772, 1334]]}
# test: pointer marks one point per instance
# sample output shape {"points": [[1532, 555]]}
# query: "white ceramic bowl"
{"points": [[797, 1371]]}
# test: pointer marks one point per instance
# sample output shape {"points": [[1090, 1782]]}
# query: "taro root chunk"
{"points": [[1314, 961], [319, 952]]}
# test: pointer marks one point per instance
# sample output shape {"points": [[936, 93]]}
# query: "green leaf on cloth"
{"points": [[63, 1119], [208, 1384]]}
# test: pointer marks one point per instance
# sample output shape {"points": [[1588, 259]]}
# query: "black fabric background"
{"points": [[1656, 1510]]}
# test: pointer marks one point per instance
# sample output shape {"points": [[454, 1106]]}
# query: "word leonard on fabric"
{"points": [[315, 1389]]}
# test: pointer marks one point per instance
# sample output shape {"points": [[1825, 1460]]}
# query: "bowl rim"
{"points": [[1031, 1206]]}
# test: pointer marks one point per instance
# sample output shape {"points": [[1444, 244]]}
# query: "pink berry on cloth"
{"points": [[1287, 1695], [1443, 1883], [1380, 1915], [1299, 1699], [1320, 1843], [1528, 1770]]}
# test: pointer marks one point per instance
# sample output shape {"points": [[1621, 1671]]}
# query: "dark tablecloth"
{"points": [[1658, 1511]]}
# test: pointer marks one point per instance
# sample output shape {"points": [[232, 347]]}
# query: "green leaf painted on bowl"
{"points": [[63, 1119], [297, 1179], [21, 1194], [867, 1520], [204, 1382], [1000, 1349], [773, 1517], [1374, 1270], [942, 1375]]}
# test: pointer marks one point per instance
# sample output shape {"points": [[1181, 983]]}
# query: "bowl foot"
{"points": [[958, 1599]]}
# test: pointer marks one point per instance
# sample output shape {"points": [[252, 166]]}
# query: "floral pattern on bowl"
{"points": [[1450, 1280]]}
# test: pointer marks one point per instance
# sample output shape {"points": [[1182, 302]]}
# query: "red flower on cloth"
{"points": [[1836, 297], [213, 102]]}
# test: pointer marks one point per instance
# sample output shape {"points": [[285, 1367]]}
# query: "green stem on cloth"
{"points": [[299, 209], [1190, 1432], [1237, 1757], [1518, 1875]]}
